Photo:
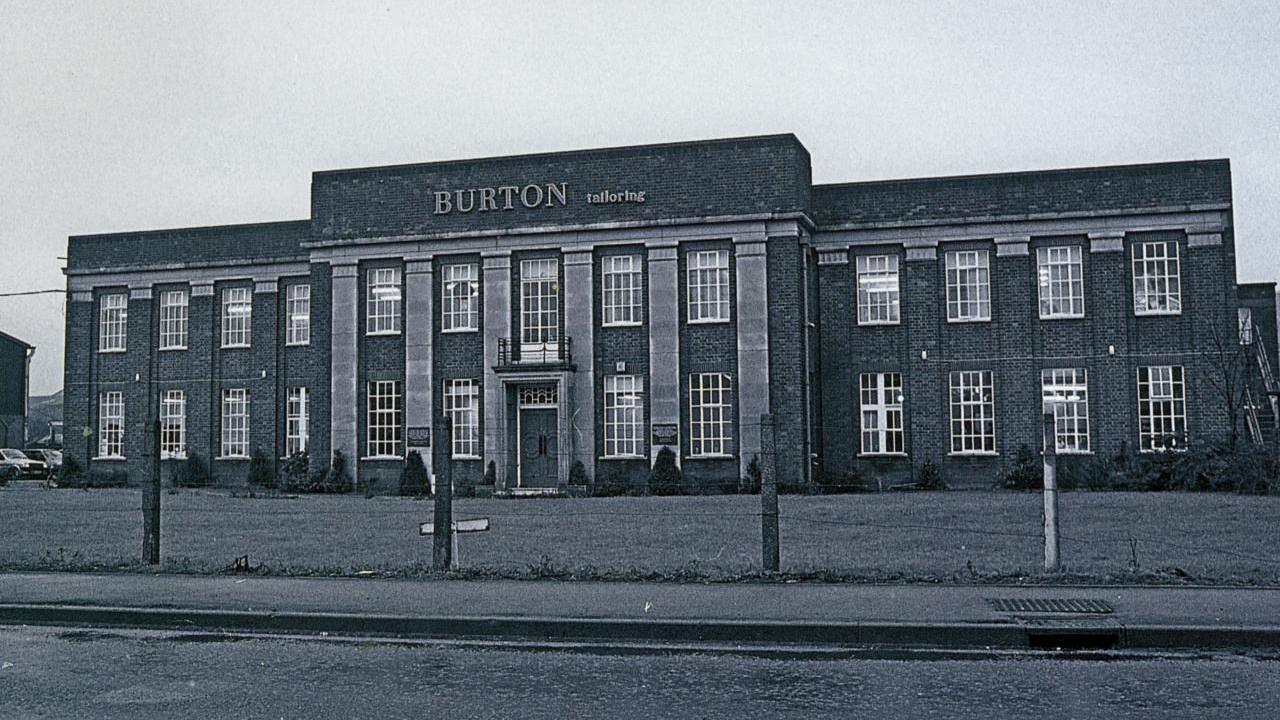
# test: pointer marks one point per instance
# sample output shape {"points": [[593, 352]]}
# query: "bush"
{"points": [[929, 477], [414, 481], [611, 483], [262, 470], [192, 472], [1027, 472], [297, 472], [338, 478], [491, 474], [577, 474], [116, 478], [665, 477], [842, 483], [753, 480], [70, 471]]}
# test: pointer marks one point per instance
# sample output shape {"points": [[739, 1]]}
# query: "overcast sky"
{"points": [[122, 116]]}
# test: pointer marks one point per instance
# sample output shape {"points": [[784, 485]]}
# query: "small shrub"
{"points": [[929, 477], [1099, 474], [70, 471], [296, 472], [491, 474], [192, 472], [611, 483], [665, 477], [114, 478], [262, 470], [338, 479], [842, 483], [577, 474], [413, 478], [751, 482], [1027, 472]]}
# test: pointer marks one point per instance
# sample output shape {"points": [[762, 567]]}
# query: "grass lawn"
{"points": [[956, 536]]}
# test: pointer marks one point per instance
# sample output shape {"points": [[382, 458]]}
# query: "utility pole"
{"points": [[151, 503], [442, 530], [1051, 560], [769, 548]]}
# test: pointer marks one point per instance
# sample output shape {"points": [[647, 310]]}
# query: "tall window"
{"points": [[623, 416], [1060, 275], [880, 397], [237, 316], [384, 418], [173, 424], [1244, 322], [710, 414], [462, 406], [297, 429], [298, 310], [878, 295], [708, 290], [113, 320], [173, 320], [1162, 408], [1066, 395], [383, 301], [460, 298], [235, 423], [1157, 284], [973, 412], [111, 424], [968, 286], [620, 287], [539, 309]]}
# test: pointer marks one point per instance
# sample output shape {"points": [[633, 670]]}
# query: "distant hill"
{"points": [[41, 410]]}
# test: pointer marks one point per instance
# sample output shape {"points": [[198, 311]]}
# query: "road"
{"points": [[60, 672]]}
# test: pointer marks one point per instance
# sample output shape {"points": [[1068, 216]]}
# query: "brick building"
{"points": [[15, 391], [596, 305]]}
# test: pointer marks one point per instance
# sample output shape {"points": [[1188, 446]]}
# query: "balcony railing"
{"points": [[515, 355]]}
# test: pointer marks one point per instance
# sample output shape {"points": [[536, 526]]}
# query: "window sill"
{"points": [[175, 347], [232, 457], [1077, 453], [297, 344], [637, 323], [172, 456], [382, 457], [716, 456], [464, 457], [1157, 313], [109, 458], [606, 458], [882, 455], [238, 346], [458, 331], [974, 454], [382, 333], [963, 321], [708, 321], [112, 351], [1062, 317], [880, 323]]}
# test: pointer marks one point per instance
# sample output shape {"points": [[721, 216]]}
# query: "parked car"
{"points": [[52, 459], [27, 468]]}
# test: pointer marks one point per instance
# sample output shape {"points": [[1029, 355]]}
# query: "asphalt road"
{"points": [[59, 672]]}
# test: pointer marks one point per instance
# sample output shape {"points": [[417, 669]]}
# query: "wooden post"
{"points": [[151, 504], [1051, 559], [769, 548], [442, 537]]}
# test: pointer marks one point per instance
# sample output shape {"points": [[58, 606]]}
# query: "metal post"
{"points": [[769, 547], [1051, 559], [151, 504], [441, 539]]}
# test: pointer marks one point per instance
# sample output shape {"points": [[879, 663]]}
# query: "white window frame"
{"points": [[539, 309], [1162, 407], [113, 322], [708, 286], [1065, 393], [1157, 278], [710, 415], [234, 424], [462, 406], [384, 419], [173, 425], [297, 309], [881, 418], [621, 291], [973, 412], [1060, 279], [237, 317], [1244, 325], [111, 425], [173, 319], [382, 301], [624, 428], [297, 420], [968, 286], [879, 290], [459, 298]]}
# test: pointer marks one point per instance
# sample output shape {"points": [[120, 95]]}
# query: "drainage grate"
{"points": [[1050, 605]]}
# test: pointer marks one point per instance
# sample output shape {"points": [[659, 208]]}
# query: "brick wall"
{"points": [[621, 344]]}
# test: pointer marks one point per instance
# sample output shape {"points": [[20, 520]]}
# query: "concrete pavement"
{"points": [[892, 615]]}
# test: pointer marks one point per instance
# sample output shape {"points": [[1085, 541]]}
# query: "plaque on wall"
{"points": [[665, 434], [419, 436]]}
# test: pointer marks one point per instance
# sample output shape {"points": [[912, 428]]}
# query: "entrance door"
{"points": [[539, 451]]}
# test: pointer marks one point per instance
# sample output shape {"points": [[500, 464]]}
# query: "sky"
{"points": [[127, 115]]}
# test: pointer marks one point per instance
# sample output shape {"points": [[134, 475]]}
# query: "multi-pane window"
{"points": [[1244, 322], [1162, 407], [383, 301], [173, 320], [1157, 283], [111, 424], [1065, 392], [237, 316], [973, 412], [297, 308], [880, 398], [539, 310], [383, 419], [968, 286], [878, 294], [708, 289], [235, 423], [623, 416], [296, 421], [710, 414], [1060, 276], [462, 407], [173, 424], [621, 291], [460, 298], [113, 320]]}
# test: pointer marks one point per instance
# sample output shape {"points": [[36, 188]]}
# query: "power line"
{"points": [[33, 292]]}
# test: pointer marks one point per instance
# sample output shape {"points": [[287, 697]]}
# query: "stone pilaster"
{"points": [[344, 398], [579, 325], [418, 379], [753, 344], [664, 342], [497, 325]]}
